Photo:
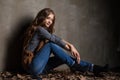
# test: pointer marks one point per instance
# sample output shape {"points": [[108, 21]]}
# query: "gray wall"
{"points": [[88, 24]]}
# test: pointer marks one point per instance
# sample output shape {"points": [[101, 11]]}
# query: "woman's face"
{"points": [[48, 20]]}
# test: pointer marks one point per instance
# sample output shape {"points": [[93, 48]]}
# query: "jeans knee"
{"points": [[48, 44], [53, 44]]}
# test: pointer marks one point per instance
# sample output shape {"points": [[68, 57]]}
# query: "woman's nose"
{"points": [[50, 22]]}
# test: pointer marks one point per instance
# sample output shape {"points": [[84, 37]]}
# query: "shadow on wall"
{"points": [[14, 46]]}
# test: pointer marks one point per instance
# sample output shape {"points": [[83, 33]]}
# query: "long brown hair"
{"points": [[38, 21]]}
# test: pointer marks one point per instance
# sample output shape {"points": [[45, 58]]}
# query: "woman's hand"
{"points": [[75, 53]]}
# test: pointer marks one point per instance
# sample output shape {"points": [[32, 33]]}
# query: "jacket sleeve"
{"points": [[45, 34]]}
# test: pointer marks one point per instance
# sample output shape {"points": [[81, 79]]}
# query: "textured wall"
{"points": [[86, 24]]}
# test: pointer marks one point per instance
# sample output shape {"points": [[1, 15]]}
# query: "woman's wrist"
{"points": [[71, 47], [67, 47]]}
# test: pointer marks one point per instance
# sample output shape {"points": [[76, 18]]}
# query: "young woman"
{"points": [[40, 42]]}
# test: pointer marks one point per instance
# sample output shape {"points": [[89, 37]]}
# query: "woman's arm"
{"points": [[45, 34], [73, 50]]}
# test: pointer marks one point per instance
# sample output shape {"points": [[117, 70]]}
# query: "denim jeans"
{"points": [[42, 62]]}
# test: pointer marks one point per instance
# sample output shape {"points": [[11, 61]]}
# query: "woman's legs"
{"points": [[40, 60], [62, 57]]}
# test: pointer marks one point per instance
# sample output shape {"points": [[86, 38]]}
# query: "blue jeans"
{"points": [[42, 62]]}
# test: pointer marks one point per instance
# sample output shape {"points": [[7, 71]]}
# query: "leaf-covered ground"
{"points": [[61, 75]]}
